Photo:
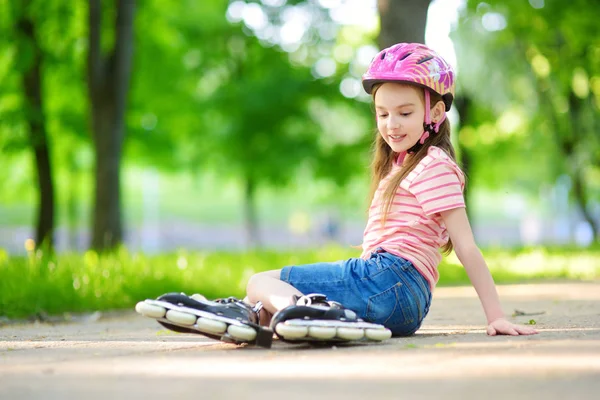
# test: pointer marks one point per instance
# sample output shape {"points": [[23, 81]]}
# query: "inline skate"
{"points": [[229, 320], [315, 319]]}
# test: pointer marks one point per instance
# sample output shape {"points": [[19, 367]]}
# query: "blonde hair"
{"points": [[384, 156]]}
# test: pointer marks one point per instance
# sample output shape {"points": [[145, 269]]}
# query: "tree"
{"points": [[254, 115], [172, 119], [263, 129], [57, 98], [33, 102], [543, 58], [108, 84], [402, 21]]}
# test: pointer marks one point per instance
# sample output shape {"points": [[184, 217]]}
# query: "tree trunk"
{"points": [[32, 84], [577, 170], [402, 21], [108, 85], [579, 190], [566, 133], [250, 217], [73, 193], [463, 106]]}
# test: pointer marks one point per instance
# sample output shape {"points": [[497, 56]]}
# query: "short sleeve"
{"points": [[438, 187]]}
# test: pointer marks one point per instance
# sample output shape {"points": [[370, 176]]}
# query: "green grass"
{"points": [[40, 283]]}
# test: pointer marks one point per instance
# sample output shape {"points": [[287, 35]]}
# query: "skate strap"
{"points": [[315, 299], [310, 299], [258, 307]]}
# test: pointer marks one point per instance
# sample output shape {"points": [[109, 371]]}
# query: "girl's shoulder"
{"points": [[435, 153], [436, 162]]}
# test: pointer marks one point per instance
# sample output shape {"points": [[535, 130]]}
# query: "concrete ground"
{"points": [[125, 356]]}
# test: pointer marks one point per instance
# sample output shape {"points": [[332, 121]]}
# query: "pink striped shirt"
{"points": [[414, 228]]}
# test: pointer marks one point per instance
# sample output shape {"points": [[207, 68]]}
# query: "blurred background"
{"points": [[238, 125]]}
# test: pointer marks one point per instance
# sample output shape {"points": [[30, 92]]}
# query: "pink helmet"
{"points": [[412, 63]]}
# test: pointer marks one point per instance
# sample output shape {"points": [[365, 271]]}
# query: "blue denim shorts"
{"points": [[385, 289]]}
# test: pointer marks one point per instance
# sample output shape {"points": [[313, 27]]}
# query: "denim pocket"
{"points": [[382, 307], [397, 298], [395, 308]]}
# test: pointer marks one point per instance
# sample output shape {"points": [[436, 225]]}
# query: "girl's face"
{"points": [[400, 114]]}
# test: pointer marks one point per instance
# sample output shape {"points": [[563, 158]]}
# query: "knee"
{"points": [[253, 287], [250, 287], [257, 283]]}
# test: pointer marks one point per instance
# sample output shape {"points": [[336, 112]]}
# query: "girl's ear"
{"points": [[437, 111]]}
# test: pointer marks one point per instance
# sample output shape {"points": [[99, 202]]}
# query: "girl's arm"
{"points": [[459, 229]]}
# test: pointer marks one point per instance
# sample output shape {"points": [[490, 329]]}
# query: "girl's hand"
{"points": [[501, 326]]}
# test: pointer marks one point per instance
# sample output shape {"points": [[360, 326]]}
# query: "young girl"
{"points": [[417, 208]]}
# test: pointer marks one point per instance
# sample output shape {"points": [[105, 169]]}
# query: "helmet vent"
{"points": [[404, 56], [382, 56], [422, 60]]}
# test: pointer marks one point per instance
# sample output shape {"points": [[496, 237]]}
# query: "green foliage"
{"points": [[205, 95], [534, 73], [80, 282], [219, 98], [264, 131], [61, 30]]}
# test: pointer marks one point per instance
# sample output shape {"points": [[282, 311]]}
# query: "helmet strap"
{"points": [[428, 126]]}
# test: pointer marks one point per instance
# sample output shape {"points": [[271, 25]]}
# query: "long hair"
{"points": [[384, 157]]}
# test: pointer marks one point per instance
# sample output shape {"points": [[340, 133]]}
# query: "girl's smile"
{"points": [[396, 138], [400, 115]]}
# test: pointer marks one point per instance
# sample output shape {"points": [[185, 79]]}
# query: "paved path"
{"points": [[130, 357]]}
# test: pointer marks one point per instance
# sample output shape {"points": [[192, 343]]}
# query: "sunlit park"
{"points": [[149, 147]]}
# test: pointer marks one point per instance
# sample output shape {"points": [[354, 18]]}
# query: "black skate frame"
{"points": [[264, 336], [323, 317]]}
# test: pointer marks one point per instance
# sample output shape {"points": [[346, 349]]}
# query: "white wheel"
{"points": [[181, 318], [150, 310], [291, 331], [350, 333], [321, 332], [198, 297], [378, 334], [211, 326], [244, 333]]}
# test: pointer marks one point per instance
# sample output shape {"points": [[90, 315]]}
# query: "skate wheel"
{"points": [[211, 326], [378, 334], [321, 332], [243, 333], [150, 310], [181, 318], [291, 331], [198, 297], [350, 333]]}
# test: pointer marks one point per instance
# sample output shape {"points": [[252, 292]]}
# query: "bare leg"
{"points": [[264, 317], [274, 293]]}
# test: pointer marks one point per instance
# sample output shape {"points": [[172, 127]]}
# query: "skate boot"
{"points": [[316, 319], [229, 320]]}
